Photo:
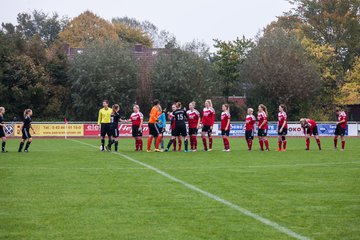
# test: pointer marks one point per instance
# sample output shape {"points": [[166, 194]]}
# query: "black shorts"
{"points": [[136, 131], [193, 131], [206, 128], [180, 131], [314, 131], [249, 134], [153, 130], [225, 132], [2, 132], [115, 131], [283, 132], [105, 129], [339, 131], [25, 133], [262, 132]]}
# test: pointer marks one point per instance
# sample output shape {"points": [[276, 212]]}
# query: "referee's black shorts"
{"points": [[105, 129]]}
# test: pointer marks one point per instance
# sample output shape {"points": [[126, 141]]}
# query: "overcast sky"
{"points": [[203, 20]]}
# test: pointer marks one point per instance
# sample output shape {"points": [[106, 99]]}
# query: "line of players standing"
{"points": [[110, 117]]}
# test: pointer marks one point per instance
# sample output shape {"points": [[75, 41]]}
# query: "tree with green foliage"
{"points": [[279, 70], [24, 85], [104, 71], [333, 22], [46, 27], [227, 60], [183, 76]]}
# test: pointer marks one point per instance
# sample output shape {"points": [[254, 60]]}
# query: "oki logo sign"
{"points": [[295, 130]]}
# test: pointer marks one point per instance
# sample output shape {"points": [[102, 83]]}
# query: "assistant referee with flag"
{"points": [[104, 120]]}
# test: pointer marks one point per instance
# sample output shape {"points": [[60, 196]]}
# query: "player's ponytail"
{"points": [[264, 108], [227, 107], [115, 107], [283, 107], [209, 102], [26, 112]]}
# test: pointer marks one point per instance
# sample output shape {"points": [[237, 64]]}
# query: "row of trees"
{"points": [[308, 59]]}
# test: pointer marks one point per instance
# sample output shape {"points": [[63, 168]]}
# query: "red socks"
{"points": [[193, 142], [180, 143], [210, 142], [266, 144], [158, 141], [149, 143], [279, 145], [174, 144], [138, 144], [249, 142], [307, 144], [261, 142], [226, 143], [204, 142], [284, 145], [342, 144], [318, 143]]}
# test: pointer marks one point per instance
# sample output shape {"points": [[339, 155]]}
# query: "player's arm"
{"points": [[227, 124], [199, 121], [2, 124], [141, 122], [340, 122], [212, 120], [31, 127], [99, 117], [282, 127], [263, 123]]}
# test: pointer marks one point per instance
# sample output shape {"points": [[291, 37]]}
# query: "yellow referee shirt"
{"points": [[104, 115]]}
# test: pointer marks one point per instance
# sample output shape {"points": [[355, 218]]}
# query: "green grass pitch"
{"points": [[63, 189]]}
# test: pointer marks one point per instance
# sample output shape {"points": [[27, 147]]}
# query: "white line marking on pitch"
{"points": [[211, 196]]}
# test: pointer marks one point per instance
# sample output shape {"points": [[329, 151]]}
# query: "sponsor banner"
{"points": [[91, 130], [238, 130], [9, 130], [124, 130], [53, 130], [293, 130]]}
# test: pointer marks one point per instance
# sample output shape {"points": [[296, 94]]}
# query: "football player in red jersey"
{"points": [[136, 120], [194, 121], [310, 128], [249, 127], [263, 127], [207, 124], [225, 126], [282, 128], [340, 128]]}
